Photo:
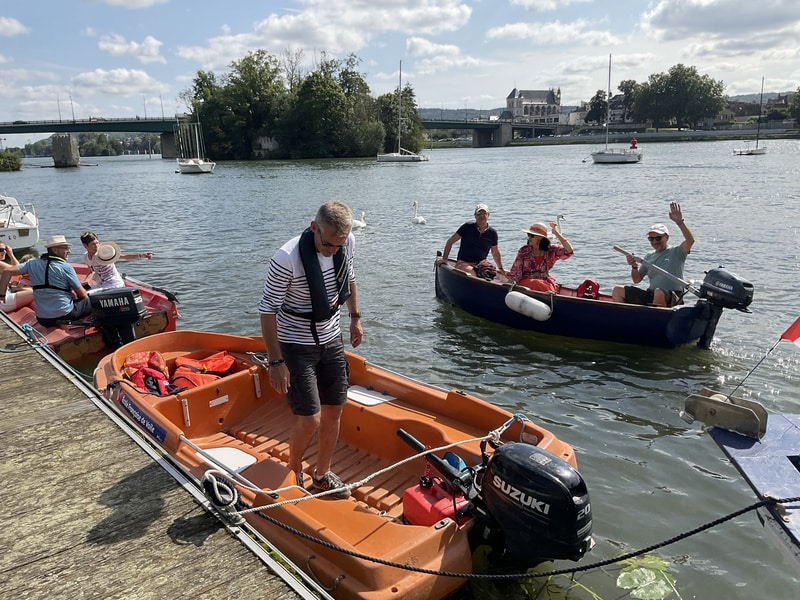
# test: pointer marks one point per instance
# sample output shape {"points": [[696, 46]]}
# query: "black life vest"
{"points": [[321, 308], [49, 258]]}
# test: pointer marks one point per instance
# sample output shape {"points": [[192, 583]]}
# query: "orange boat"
{"points": [[500, 480], [118, 315]]}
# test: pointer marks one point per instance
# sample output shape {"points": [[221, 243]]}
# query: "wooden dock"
{"points": [[88, 513]]}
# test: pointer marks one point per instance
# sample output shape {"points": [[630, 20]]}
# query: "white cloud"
{"points": [[544, 5], [433, 58], [146, 52], [125, 82], [680, 19], [130, 3], [10, 26], [554, 33], [335, 26]]}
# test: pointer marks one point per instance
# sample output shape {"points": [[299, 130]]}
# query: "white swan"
{"points": [[417, 220], [362, 223]]}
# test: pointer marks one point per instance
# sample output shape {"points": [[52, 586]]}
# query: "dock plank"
{"points": [[88, 514]]}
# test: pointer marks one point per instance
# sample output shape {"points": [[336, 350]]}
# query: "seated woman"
{"points": [[531, 268], [12, 295]]}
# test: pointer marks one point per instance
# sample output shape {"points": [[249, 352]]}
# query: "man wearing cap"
{"points": [[477, 239], [100, 258], [662, 291], [54, 281]]}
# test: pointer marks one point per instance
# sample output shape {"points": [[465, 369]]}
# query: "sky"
{"points": [[122, 58]]}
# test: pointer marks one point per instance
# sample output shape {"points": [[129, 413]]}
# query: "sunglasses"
{"points": [[2, 249], [655, 238], [327, 244]]}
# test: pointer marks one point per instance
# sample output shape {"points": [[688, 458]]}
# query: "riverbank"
{"points": [[624, 137]]}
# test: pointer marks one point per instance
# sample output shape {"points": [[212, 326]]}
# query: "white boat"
{"points": [[191, 149], [402, 155], [19, 226], [614, 155], [754, 150]]}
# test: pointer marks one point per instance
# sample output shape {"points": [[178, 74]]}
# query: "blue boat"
{"points": [[567, 313], [764, 449]]}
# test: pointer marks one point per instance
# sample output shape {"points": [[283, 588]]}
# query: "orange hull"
{"points": [[244, 415], [79, 342]]}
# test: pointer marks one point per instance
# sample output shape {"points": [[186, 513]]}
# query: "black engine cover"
{"points": [[540, 504], [118, 306], [723, 288]]}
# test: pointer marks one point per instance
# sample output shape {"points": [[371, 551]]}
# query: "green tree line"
{"points": [[100, 144], [268, 107], [681, 96]]}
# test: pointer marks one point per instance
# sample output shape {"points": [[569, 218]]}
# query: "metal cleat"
{"points": [[745, 417]]}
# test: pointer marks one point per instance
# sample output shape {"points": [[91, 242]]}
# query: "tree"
{"points": [[316, 122], [10, 160], [682, 96], [794, 107], [598, 108], [629, 88], [255, 93], [364, 133]]}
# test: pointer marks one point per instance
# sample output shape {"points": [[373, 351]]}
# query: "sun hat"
{"points": [[539, 229], [480, 207], [659, 228], [107, 253], [56, 240]]}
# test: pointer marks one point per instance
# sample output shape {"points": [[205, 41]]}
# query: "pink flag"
{"points": [[793, 333]]}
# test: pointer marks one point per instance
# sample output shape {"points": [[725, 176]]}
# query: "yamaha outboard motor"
{"points": [[537, 506], [722, 289], [117, 311]]}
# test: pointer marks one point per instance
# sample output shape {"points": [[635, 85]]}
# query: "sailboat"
{"points": [[750, 150], [615, 155], [402, 155], [191, 149]]}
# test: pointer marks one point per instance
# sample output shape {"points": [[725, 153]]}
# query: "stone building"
{"points": [[534, 106]]}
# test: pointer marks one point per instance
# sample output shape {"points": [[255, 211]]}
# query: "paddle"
{"points": [[686, 285]]}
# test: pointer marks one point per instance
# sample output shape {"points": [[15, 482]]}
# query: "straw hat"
{"points": [[539, 229], [107, 254], [56, 240]]}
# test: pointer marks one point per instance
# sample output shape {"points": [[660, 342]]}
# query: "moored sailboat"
{"points": [[755, 150], [191, 149], [402, 155], [615, 155]]}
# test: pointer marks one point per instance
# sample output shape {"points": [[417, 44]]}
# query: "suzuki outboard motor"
{"points": [[537, 504], [724, 289], [117, 310]]}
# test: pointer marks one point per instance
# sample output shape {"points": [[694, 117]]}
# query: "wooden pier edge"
{"points": [[92, 510]]}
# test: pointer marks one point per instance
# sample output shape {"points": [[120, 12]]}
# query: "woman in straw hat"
{"points": [[100, 258], [531, 268]]}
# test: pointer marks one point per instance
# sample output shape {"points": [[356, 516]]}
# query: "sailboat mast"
{"points": [[760, 108], [608, 100], [400, 108]]}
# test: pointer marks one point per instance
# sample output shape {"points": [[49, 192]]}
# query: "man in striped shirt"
{"points": [[309, 278]]}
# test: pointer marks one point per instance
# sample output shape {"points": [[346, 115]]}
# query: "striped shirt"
{"points": [[287, 287]]}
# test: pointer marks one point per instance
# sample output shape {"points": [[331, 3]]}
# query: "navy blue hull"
{"points": [[576, 317]]}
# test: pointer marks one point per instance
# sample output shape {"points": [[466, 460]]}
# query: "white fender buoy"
{"points": [[530, 307]]}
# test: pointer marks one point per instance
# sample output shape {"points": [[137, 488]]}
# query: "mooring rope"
{"points": [[515, 576]]}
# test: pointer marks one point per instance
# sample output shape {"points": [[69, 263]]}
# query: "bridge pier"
{"points": [[169, 148], [65, 151]]}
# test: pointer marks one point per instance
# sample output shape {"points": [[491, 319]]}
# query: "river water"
{"points": [[650, 475]]}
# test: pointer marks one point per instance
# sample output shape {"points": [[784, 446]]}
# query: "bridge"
{"points": [[160, 125], [484, 133], [495, 133]]}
